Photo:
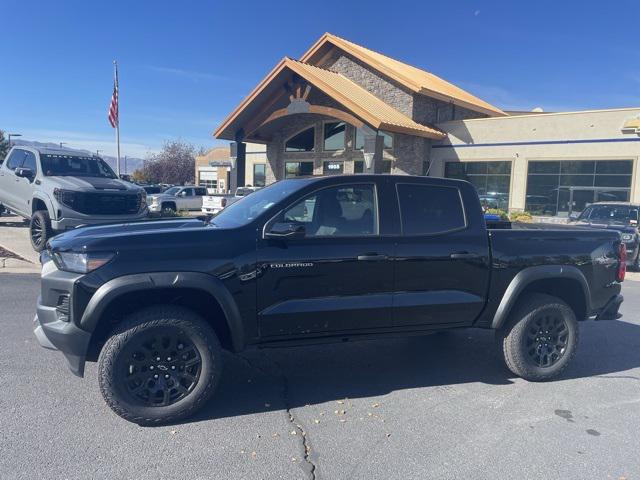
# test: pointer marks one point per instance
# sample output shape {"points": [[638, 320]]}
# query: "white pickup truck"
{"points": [[214, 204]]}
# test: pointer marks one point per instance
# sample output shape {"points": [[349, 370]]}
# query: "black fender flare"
{"points": [[531, 274], [118, 286]]}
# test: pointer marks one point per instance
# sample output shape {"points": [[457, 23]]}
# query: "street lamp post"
{"points": [[98, 153], [13, 135], [62, 143]]}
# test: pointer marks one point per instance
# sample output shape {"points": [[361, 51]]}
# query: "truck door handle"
{"points": [[464, 256], [372, 257]]}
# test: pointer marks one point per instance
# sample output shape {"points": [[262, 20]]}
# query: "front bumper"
{"points": [[70, 220], [611, 310], [632, 253], [54, 334], [211, 210], [54, 327]]}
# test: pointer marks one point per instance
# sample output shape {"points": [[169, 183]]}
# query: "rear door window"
{"points": [[430, 209]]}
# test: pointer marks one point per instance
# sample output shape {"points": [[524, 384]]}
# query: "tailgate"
{"points": [[210, 201]]}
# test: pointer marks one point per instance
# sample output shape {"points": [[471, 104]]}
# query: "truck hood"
{"points": [[160, 196], [114, 236], [94, 183]]}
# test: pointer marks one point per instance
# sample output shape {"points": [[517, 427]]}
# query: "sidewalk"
{"points": [[16, 254]]}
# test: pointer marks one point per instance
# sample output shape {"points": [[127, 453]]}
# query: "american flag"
{"points": [[113, 108]]}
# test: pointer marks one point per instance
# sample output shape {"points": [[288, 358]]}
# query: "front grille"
{"points": [[97, 203]]}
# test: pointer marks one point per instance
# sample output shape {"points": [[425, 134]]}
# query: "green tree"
{"points": [[4, 146]]}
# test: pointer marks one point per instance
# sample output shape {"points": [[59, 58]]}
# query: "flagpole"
{"points": [[115, 73]]}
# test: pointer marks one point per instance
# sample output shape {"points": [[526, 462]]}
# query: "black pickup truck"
{"points": [[308, 261]]}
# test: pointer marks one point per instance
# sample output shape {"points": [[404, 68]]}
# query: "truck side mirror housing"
{"points": [[24, 172], [286, 230]]}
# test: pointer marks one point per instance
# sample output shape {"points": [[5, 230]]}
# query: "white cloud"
{"points": [[92, 142]]}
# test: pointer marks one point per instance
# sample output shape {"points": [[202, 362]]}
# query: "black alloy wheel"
{"points": [[547, 338], [161, 367], [40, 230]]}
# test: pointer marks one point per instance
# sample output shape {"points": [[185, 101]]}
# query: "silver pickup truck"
{"points": [[58, 190]]}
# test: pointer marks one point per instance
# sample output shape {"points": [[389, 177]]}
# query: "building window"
{"points": [[334, 136], [567, 186], [259, 174], [359, 144], [331, 167], [303, 141], [298, 169], [358, 166], [209, 184], [491, 179]]}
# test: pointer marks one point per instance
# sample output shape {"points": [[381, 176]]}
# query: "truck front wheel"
{"points": [[40, 229], [540, 338], [160, 365]]}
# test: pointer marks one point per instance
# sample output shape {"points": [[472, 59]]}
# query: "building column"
{"points": [[239, 151], [373, 144], [518, 189]]}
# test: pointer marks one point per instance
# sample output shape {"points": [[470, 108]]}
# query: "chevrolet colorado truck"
{"points": [[58, 189], [314, 260]]}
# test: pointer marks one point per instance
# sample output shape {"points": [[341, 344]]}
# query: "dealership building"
{"points": [[344, 109]]}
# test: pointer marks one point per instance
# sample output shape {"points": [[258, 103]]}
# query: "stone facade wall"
{"points": [[386, 89], [429, 110]]}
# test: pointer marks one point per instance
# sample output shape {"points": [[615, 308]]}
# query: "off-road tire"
{"points": [[160, 318], [40, 230], [512, 338]]}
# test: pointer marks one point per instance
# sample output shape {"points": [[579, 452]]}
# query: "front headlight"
{"points": [[155, 200], [627, 237], [81, 262], [143, 200]]}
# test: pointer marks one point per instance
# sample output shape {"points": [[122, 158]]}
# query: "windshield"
{"points": [[75, 166], [250, 207], [610, 213], [172, 190]]}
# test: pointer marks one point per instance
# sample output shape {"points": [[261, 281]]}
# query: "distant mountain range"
{"points": [[132, 163]]}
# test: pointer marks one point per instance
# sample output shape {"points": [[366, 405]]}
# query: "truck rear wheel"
{"points": [[160, 365], [540, 338], [40, 230]]}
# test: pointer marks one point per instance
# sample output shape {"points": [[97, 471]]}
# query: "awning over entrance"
{"points": [[285, 91]]}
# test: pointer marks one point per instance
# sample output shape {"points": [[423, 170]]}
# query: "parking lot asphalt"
{"points": [[441, 406]]}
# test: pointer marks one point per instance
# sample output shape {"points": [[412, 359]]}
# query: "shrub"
{"points": [[496, 211], [524, 217]]}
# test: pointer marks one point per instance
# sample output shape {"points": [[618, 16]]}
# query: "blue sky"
{"points": [[185, 65]]}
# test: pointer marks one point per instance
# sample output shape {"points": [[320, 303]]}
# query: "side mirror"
{"points": [[182, 194], [574, 216], [286, 230], [25, 173]]}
